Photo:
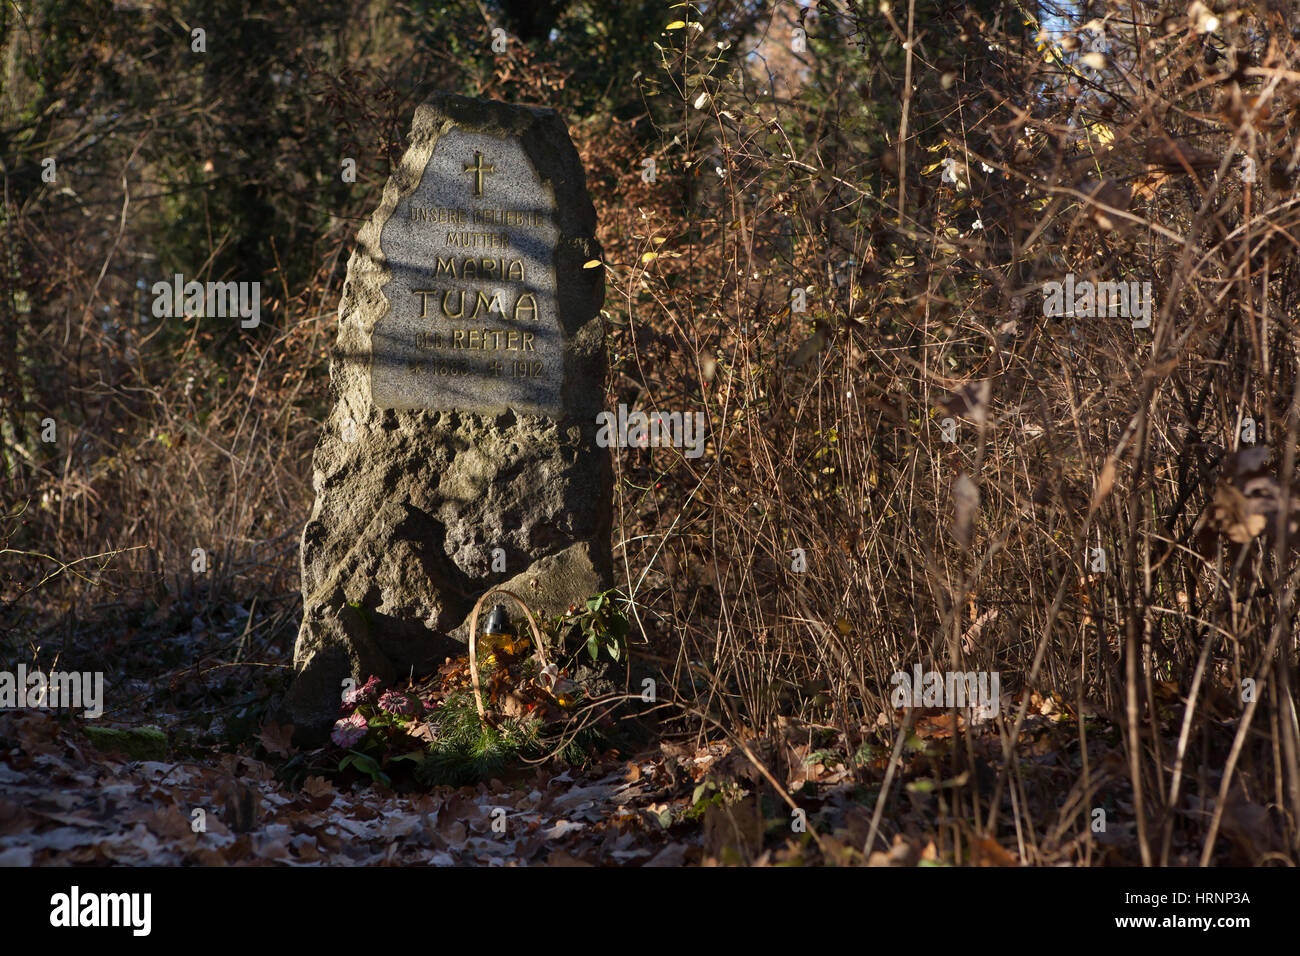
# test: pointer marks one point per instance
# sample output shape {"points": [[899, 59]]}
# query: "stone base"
{"points": [[410, 519]]}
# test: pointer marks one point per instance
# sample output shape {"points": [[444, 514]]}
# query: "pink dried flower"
{"points": [[366, 694], [349, 730], [398, 704]]}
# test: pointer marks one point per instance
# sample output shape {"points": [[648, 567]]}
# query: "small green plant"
{"points": [[465, 749], [828, 758], [708, 793], [603, 622], [866, 753]]}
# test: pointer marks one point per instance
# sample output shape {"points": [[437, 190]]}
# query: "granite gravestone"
{"points": [[459, 452]]}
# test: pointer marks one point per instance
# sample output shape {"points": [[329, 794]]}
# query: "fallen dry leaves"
{"points": [[63, 802]]}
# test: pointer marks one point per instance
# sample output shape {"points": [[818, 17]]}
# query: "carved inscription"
{"points": [[471, 321]]}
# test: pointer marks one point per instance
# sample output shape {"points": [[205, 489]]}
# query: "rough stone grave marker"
{"points": [[459, 453]]}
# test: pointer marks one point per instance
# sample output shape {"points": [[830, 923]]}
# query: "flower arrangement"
{"points": [[373, 724]]}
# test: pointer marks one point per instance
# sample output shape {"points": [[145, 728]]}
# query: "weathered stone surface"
{"points": [[419, 476]]}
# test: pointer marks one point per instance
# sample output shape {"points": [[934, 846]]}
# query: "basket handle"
{"points": [[473, 642]]}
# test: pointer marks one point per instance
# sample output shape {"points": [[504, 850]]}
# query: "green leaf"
{"points": [[593, 647], [365, 765]]}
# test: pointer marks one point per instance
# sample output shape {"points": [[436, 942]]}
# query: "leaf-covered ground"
{"points": [[187, 768], [64, 801]]}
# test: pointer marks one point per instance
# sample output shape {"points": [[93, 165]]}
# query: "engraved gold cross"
{"points": [[478, 169]]}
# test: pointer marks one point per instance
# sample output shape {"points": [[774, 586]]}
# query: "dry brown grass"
{"points": [[826, 427]]}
